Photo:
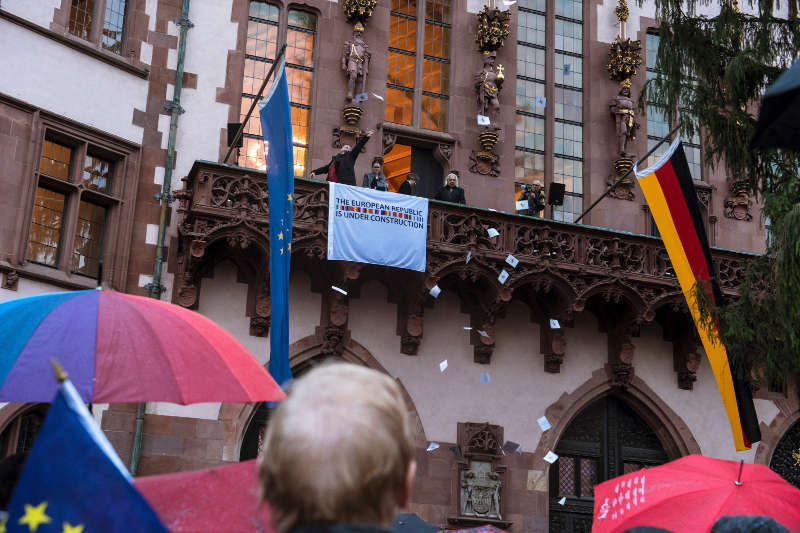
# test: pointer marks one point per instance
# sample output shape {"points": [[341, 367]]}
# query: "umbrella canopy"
{"points": [[411, 523], [779, 114], [122, 348], [691, 493], [223, 498]]}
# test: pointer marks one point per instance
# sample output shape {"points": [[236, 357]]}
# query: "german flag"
{"points": [[670, 194]]}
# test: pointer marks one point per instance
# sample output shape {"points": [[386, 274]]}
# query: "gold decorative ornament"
{"points": [[358, 10], [624, 58], [493, 29], [622, 11], [796, 457]]}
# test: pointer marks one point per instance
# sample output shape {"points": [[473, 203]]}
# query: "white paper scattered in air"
{"points": [[562, 501], [513, 261], [554, 324], [435, 291], [379, 97], [482, 333], [443, 366], [544, 423], [541, 101], [550, 457], [483, 120], [337, 289], [522, 205], [492, 232], [433, 446], [469, 256], [503, 276], [486, 378]]}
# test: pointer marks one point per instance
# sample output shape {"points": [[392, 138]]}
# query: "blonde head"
{"points": [[338, 449]]}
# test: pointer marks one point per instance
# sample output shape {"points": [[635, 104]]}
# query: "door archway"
{"points": [[606, 439]]}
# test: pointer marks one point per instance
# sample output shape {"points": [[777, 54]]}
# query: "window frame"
{"points": [[420, 57], [62, 18], [12, 426], [118, 202], [281, 37]]}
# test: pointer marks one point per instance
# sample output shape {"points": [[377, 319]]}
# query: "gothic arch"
{"points": [[301, 354], [673, 432]]}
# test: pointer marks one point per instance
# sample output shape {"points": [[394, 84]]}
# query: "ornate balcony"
{"points": [[624, 279]]}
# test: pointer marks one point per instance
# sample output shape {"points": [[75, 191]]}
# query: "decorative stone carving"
{"points": [[333, 341], [738, 204], [622, 110], [355, 62], [493, 28], [553, 344], [786, 457], [358, 10], [480, 491], [622, 187], [260, 323], [480, 475], [620, 356], [10, 280]]}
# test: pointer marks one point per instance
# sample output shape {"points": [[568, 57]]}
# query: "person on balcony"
{"points": [[341, 168], [450, 191], [535, 196], [375, 179], [409, 186]]}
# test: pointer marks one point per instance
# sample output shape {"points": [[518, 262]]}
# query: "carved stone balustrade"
{"points": [[223, 212]]}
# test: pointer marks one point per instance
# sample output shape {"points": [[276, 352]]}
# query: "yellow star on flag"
{"points": [[280, 236], [34, 516], [289, 197], [68, 528], [290, 247], [281, 251]]}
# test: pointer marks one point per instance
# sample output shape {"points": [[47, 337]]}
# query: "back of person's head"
{"points": [[747, 524], [338, 449], [413, 177], [10, 470]]}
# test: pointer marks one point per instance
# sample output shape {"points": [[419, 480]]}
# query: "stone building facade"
{"points": [[84, 129]]}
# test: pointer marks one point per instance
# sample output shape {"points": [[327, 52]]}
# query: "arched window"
{"points": [[607, 439], [786, 459], [19, 434]]}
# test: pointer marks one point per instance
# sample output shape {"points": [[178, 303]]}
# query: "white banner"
{"points": [[382, 228]]}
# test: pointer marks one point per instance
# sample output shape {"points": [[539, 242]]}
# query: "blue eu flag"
{"points": [[73, 481], [276, 125]]}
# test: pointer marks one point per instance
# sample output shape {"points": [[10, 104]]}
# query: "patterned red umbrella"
{"points": [[691, 493]]}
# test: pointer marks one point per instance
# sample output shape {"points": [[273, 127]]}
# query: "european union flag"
{"points": [[73, 480], [276, 125]]}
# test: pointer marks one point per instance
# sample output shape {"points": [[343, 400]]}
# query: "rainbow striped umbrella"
{"points": [[122, 348]]}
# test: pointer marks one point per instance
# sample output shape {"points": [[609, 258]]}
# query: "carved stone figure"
{"points": [[355, 61], [488, 83], [621, 107]]}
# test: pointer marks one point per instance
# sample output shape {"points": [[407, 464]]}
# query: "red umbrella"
{"points": [[691, 493], [223, 498]]}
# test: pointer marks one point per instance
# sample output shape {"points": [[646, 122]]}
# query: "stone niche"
{"points": [[481, 477]]}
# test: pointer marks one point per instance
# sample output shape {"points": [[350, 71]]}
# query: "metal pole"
{"points": [[255, 103], [653, 149], [165, 198]]}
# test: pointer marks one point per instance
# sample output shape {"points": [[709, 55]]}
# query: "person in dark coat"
{"points": [[338, 453], [375, 179], [535, 196], [344, 162], [450, 191], [409, 186]]}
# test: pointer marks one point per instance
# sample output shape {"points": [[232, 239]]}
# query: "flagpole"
{"points": [[619, 180], [240, 131]]}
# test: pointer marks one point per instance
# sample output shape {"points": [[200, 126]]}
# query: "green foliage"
{"points": [[713, 73]]}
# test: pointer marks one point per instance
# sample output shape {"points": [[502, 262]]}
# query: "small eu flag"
{"points": [[73, 480], [276, 125]]}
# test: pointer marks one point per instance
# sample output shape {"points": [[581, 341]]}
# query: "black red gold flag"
{"points": [[670, 194]]}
